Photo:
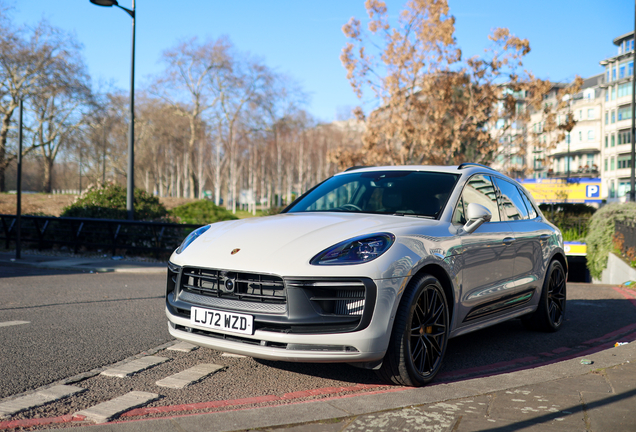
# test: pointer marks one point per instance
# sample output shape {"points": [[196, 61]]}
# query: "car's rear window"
{"points": [[419, 193]]}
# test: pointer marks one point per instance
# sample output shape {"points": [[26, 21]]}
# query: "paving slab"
{"points": [[190, 376], [233, 355], [183, 347], [105, 411], [406, 419], [38, 398], [622, 415], [134, 366]]}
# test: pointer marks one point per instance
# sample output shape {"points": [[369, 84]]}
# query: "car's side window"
{"points": [[532, 212], [511, 204], [480, 190]]}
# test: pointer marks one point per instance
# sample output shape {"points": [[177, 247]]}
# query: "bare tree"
{"points": [[31, 60], [185, 86], [241, 91], [59, 110]]}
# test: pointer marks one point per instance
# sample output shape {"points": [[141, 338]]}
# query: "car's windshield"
{"points": [[419, 193]]}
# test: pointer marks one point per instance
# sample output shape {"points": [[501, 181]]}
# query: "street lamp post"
{"points": [[130, 193]]}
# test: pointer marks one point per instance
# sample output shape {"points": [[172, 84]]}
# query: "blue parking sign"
{"points": [[592, 191]]}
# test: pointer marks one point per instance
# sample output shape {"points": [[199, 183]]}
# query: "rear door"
{"points": [[530, 234]]}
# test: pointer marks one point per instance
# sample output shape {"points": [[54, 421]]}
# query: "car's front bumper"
{"points": [[366, 343]]}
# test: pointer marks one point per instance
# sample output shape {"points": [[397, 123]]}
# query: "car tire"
{"points": [[550, 313], [420, 335]]}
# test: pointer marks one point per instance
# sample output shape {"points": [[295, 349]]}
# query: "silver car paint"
{"points": [[287, 242]]}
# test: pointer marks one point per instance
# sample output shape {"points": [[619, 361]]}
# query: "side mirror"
{"points": [[477, 214]]}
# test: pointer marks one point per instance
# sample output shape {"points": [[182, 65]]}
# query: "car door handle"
{"points": [[508, 241]]}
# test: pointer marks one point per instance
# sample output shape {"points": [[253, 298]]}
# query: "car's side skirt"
{"points": [[500, 305]]}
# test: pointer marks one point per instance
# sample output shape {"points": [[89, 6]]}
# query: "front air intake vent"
{"points": [[336, 297]]}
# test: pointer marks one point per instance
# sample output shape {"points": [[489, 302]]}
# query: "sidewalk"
{"points": [[564, 396], [86, 264]]}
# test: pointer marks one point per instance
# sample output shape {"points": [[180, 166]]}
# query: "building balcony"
{"points": [[585, 171]]}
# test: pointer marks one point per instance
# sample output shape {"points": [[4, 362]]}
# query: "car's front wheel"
{"points": [[420, 334], [550, 313]]}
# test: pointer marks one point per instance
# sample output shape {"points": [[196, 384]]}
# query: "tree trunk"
{"points": [[279, 173], [47, 181], [6, 123]]}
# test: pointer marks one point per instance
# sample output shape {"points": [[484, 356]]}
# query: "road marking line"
{"points": [[189, 376], [104, 411], [134, 366], [12, 323], [183, 347], [38, 398]]}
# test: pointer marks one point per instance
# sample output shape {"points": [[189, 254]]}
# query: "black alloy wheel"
{"points": [[550, 313], [556, 296], [420, 334]]}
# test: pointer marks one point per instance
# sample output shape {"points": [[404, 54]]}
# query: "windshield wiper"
{"points": [[413, 215]]}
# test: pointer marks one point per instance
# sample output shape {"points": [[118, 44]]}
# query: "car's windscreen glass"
{"points": [[382, 192]]}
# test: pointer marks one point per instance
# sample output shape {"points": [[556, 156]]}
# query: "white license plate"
{"points": [[219, 320]]}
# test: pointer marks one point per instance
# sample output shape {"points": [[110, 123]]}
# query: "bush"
{"points": [[273, 211], [571, 219], [201, 212], [109, 202], [601, 232]]}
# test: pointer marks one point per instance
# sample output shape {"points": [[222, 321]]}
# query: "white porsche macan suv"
{"points": [[375, 266]]}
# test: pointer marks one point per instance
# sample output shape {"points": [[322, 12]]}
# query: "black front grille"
{"points": [[249, 287]]}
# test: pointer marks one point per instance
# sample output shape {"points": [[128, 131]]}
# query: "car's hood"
{"points": [[284, 244]]}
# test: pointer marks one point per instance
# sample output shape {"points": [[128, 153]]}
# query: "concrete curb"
{"points": [[95, 265]]}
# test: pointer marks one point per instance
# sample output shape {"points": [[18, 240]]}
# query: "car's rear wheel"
{"points": [[550, 313], [420, 334]]}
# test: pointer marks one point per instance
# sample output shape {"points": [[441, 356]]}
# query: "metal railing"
{"points": [[625, 233], [43, 232]]}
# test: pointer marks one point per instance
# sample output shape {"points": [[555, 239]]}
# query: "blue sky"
{"points": [[303, 38]]}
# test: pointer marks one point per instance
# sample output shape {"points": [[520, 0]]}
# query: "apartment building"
{"points": [[617, 120], [579, 154]]}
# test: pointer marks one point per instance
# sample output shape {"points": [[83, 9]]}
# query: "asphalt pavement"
{"points": [[593, 392]]}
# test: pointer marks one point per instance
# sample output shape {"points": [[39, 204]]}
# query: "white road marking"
{"points": [[134, 366], [36, 399], [183, 347], [12, 323], [104, 411], [189, 376]]}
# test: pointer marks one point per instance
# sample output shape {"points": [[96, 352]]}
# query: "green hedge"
{"points": [[201, 212], [601, 232], [109, 202]]}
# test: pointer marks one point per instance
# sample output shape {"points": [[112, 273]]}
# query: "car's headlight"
{"points": [[357, 250], [192, 237]]}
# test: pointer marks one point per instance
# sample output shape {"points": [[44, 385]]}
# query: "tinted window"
{"points": [[480, 190], [532, 212], [385, 192], [511, 204]]}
